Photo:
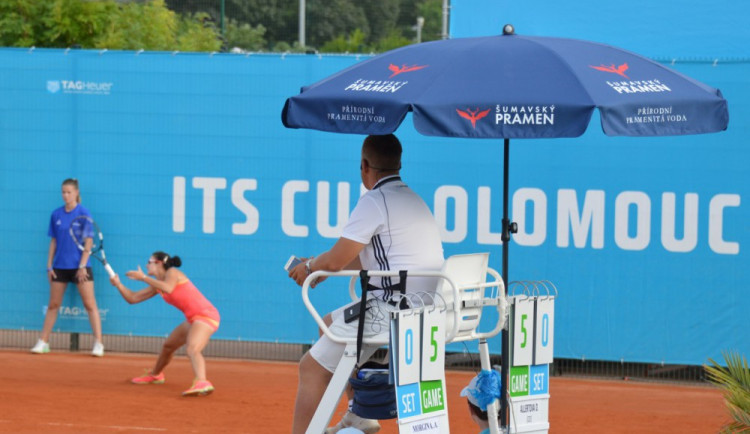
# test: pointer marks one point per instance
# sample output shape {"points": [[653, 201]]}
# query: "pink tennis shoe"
{"points": [[199, 388], [149, 378]]}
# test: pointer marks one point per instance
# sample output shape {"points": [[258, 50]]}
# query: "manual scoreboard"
{"points": [[531, 329], [418, 357]]}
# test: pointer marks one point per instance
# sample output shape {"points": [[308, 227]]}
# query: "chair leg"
{"points": [[484, 357], [333, 392]]}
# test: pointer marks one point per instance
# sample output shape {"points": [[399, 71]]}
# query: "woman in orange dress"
{"points": [[202, 318]]}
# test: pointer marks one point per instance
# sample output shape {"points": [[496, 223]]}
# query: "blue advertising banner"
{"points": [[663, 30], [660, 268], [644, 238]]}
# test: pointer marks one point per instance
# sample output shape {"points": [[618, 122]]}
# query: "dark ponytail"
{"points": [[168, 261]]}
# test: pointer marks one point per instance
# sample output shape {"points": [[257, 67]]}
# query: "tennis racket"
{"points": [[83, 227]]}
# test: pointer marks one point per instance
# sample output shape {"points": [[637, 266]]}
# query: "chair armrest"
{"points": [[353, 288], [354, 274]]}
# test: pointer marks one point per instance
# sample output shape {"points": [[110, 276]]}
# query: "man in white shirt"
{"points": [[390, 228]]}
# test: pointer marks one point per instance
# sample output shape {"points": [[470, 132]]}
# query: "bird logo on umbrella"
{"points": [[473, 115], [619, 70], [396, 70]]}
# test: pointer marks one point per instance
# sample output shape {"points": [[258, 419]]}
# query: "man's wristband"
{"points": [[308, 267], [81, 267], [49, 268]]}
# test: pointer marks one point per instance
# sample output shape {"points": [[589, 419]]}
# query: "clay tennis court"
{"points": [[75, 393]]}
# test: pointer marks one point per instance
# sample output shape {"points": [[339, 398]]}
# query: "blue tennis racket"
{"points": [[84, 227]]}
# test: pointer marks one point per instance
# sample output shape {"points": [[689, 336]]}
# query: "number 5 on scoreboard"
{"points": [[433, 345]]}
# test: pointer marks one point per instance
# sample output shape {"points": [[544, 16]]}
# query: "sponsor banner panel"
{"points": [[187, 154]]}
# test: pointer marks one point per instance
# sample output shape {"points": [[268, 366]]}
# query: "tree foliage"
{"points": [[353, 43], [329, 24], [20, 25], [245, 36], [392, 40], [198, 25], [277, 17], [148, 25], [381, 16], [432, 12], [197, 33], [70, 22], [331, 18]]}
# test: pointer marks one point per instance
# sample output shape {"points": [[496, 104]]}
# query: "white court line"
{"points": [[114, 427]]}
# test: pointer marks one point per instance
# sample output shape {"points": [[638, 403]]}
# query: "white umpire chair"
{"points": [[462, 289]]}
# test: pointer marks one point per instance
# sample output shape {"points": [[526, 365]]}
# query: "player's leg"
{"points": [[174, 341], [197, 339], [349, 392], [56, 292], [86, 289], [200, 332]]}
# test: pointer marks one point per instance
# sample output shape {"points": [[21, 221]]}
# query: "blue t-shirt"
{"points": [[67, 254]]}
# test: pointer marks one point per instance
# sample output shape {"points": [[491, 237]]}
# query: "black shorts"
{"points": [[68, 275]]}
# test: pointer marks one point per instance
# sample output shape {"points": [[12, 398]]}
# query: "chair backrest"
{"points": [[468, 272]]}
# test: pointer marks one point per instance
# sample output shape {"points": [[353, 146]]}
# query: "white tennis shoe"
{"points": [[41, 347], [98, 350]]}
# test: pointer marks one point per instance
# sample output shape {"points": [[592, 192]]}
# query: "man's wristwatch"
{"points": [[307, 266]]}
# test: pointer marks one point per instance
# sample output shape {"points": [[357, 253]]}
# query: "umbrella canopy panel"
{"points": [[509, 87]]}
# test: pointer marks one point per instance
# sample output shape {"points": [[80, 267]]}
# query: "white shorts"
{"points": [[377, 324]]}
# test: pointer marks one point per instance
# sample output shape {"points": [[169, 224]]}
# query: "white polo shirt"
{"points": [[400, 232]]}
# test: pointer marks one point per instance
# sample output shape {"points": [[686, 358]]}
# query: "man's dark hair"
{"points": [[476, 411], [382, 152]]}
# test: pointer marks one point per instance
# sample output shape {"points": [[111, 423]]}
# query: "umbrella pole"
{"points": [[506, 240]]}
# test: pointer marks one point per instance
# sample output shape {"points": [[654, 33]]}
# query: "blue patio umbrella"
{"points": [[509, 86]]}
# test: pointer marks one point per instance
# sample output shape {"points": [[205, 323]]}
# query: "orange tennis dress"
{"points": [[196, 307]]}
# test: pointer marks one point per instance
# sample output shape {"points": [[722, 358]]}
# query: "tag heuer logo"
{"points": [[53, 86]]}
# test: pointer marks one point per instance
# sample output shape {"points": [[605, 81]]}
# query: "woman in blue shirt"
{"points": [[66, 263]]}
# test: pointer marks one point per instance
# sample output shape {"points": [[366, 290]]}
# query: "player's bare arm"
{"points": [[132, 297]]}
